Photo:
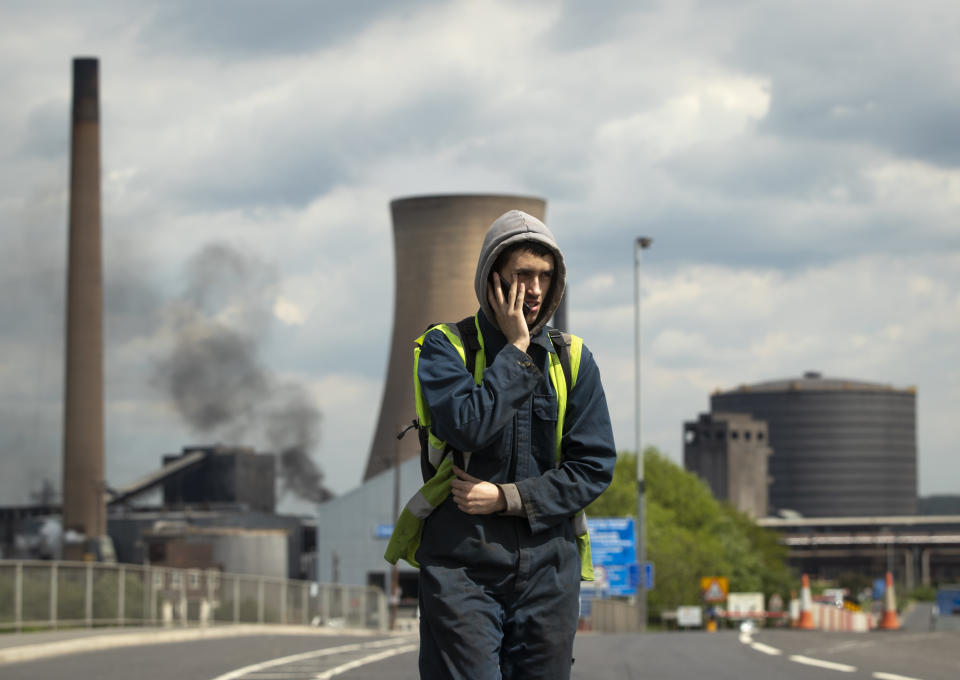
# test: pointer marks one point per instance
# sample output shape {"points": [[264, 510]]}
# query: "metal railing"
{"points": [[40, 594]]}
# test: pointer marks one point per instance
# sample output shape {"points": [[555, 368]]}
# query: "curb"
{"points": [[114, 641]]}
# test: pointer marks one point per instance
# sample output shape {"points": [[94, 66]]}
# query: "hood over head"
{"points": [[510, 229]]}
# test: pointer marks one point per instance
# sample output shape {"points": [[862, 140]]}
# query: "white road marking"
{"points": [[766, 649], [842, 667], [379, 656], [328, 651], [747, 639]]}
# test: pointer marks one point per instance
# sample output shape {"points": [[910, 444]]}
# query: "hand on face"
{"points": [[509, 311]]}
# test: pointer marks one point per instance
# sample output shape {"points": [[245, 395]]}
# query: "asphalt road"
{"points": [[781, 654]]}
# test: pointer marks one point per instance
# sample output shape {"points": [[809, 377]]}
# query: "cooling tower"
{"points": [[84, 510], [437, 242], [841, 448]]}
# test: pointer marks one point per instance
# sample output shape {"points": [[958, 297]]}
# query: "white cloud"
{"points": [[710, 110], [855, 319], [804, 218], [288, 312]]}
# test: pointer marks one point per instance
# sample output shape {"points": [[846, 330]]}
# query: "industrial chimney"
{"points": [[437, 242], [84, 509]]}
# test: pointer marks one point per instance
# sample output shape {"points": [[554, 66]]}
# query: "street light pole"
{"points": [[395, 573], [642, 243]]}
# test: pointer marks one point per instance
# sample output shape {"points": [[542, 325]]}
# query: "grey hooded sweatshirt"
{"points": [[508, 230]]}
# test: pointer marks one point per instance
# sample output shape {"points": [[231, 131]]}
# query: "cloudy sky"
{"points": [[797, 164]]}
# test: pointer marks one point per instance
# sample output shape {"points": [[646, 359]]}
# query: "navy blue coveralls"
{"points": [[499, 594]]}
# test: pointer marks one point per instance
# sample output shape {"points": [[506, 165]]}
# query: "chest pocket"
{"points": [[545, 407]]}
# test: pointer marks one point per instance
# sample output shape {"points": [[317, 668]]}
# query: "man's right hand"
{"points": [[509, 312]]}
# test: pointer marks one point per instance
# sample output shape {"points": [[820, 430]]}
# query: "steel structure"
{"points": [[841, 448]]}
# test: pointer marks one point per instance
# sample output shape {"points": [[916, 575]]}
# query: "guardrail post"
{"points": [[382, 610], [236, 599], [260, 600], [324, 604], [305, 602], [54, 594], [18, 597], [88, 603], [151, 575], [184, 614], [121, 594], [283, 601], [208, 576]]}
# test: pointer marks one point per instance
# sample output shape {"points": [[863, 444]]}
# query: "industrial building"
{"points": [[919, 550], [729, 451], [217, 511], [353, 531], [830, 464], [840, 448]]}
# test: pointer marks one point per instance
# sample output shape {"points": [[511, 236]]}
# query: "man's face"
{"points": [[535, 272]]}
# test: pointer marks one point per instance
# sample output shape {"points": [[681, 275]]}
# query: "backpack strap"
{"points": [[561, 342], [467, 341], [470, 336]]}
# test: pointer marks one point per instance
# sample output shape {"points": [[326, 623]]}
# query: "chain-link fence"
{"points": [[70, 594]]}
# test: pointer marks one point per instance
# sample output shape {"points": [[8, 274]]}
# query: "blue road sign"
{"points": [[613, 541], [383, 531], [622, 579], [613, 544]]}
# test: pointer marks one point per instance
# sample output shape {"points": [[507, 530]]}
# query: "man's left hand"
{"points": [[475, 496]]}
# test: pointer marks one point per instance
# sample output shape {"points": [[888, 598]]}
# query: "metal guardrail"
{"points": [[41, 594]]}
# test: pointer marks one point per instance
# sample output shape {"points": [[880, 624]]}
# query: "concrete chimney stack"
{"points": [[84, 507], [437, 242]]}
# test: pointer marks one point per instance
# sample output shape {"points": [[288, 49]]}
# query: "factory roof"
{"points": [[812, 381]]}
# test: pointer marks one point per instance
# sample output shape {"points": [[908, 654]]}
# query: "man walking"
{"points": [[499, 561]]}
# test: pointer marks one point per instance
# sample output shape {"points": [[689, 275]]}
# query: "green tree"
{"points": [[620, 498], [690, 535]]}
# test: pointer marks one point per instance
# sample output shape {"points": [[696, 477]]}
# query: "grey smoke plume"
{"points": [[215, 375], [293, 426]]}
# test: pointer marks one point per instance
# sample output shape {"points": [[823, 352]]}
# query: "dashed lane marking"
{"points": [[397, 643], [820, 663], [766, 649], [747, 639]]}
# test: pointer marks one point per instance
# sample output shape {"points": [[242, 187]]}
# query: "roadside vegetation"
{"points": [[690, 535]]}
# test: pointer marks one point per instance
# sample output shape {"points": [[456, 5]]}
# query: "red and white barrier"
{"points": [[832, 618]]}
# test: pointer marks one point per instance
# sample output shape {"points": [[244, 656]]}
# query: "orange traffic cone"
{"points": [[806, 605], [890, 620]]}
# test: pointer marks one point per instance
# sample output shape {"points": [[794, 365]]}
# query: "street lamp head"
{"points": [[644, 241]]}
